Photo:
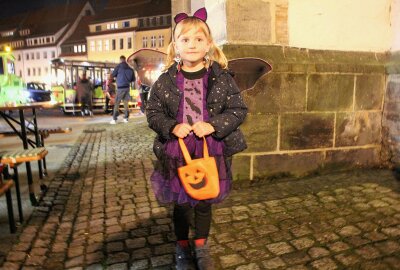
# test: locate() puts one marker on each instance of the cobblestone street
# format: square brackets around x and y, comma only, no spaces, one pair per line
[100,213]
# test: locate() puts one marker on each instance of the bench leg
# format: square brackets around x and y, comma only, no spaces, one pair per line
[10,212]
[44,159]
[19,201]
[32,196]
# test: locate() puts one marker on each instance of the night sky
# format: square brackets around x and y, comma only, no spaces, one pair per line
[13,7]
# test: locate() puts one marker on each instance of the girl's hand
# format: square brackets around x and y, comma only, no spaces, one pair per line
[202,129]
[182,130]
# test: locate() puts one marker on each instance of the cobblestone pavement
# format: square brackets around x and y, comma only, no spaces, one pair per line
[100,213]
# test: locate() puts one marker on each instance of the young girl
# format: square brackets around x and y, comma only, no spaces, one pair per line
[196,97]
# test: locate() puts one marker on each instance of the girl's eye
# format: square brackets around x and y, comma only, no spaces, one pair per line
[185,40]
[199,39]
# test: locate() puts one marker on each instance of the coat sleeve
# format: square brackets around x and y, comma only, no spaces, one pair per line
[157,118]
[115,71]
[234,113]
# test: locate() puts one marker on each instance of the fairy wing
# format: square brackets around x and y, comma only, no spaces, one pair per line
[247,71]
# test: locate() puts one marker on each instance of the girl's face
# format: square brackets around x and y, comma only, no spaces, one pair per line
[192,46]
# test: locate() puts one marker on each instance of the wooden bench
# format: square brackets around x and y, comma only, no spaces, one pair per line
[13,159]
[43,133]
[5,186]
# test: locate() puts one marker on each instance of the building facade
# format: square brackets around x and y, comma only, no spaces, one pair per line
[124,27]
[36,37]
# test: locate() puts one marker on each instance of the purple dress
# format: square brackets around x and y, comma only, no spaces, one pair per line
[192,108]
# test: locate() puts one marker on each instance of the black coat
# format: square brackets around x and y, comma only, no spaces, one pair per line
[225,107]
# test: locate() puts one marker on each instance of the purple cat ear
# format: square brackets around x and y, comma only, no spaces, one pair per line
[201,14]
[179,17]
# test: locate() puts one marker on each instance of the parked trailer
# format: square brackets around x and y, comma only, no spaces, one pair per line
[66,74]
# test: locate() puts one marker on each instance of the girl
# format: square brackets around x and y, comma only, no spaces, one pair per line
[196,97]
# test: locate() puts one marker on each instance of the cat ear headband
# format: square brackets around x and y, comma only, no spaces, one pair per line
[199,14]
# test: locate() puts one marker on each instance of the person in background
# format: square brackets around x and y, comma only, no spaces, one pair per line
[144,93]
[124,75]
[84,90]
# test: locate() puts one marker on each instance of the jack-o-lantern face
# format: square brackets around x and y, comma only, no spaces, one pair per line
[200,178]
[196,180]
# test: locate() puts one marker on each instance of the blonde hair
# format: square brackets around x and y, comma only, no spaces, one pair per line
[184,26]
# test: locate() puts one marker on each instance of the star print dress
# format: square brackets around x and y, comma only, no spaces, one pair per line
[192,108]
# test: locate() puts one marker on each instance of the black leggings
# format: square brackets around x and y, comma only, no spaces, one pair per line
[183,214]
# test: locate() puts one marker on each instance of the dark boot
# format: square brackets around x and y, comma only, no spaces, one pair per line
[184,258]
[203,258]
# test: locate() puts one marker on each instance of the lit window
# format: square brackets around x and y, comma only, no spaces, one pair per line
[161,40]
[99,46]
[83,48]
[153,41]
[107,45]
[116,25]
[144,42]
[75,49]
[108,26]
[92,46]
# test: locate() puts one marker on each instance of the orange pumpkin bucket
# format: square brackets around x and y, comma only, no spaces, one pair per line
[199,177]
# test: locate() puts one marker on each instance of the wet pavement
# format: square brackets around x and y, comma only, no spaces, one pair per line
[100,213]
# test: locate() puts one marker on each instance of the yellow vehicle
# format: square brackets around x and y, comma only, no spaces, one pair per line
[66,74]
[12,88]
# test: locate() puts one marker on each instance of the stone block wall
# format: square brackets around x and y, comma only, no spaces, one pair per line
[317,110]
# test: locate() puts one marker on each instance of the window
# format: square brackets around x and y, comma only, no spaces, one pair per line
[129,43]
[161,41]
[44,55]
[27,56]
[116,25]
[121,43]
[168,19]
[19,57]
[141,23]
[83,48]
[99,45]
[33,71]
[79,48]
[107,45]
[47,40]
[153,41]
[108,26]
[75,49]
[98,28]
[144,42]
[28,71]
[38,55]
[154,21]
[32,56]
[53,54]
[113,44]
[126,24]
[148,22]
[161,20]
[39,72]
[92,46]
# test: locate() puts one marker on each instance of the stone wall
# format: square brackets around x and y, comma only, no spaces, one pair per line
[317,110]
